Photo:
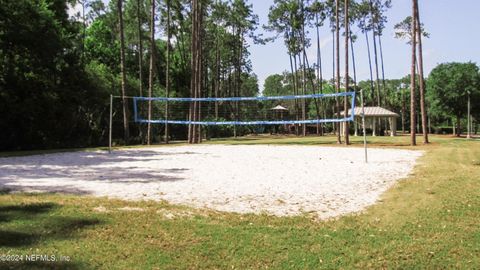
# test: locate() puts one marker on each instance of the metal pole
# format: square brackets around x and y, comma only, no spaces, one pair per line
[468,118]
[363,126]
[110,126]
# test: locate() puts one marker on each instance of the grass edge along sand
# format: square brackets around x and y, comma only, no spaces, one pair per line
[429,220]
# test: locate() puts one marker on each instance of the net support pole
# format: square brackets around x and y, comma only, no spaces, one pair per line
[363,127]
[110,126]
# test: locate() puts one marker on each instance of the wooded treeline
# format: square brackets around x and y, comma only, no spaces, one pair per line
[57,71]
[417,101]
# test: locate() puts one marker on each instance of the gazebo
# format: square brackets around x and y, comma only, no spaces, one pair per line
[280,110]
[372,116]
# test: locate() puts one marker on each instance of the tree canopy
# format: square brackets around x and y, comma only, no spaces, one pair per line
[449,86]
[57,71]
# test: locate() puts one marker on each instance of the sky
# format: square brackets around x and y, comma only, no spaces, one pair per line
[452,25]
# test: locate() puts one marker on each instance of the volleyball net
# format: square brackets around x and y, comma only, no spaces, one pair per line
[263,110]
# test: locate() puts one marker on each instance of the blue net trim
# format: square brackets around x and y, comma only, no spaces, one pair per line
[245,123]
[343,94]
[239,123]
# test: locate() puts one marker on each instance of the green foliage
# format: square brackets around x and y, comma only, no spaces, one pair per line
[55,79]
[449,86]
[403,30]
[273,86]
[47,99]
[286,18]
[102,45]
[249,85]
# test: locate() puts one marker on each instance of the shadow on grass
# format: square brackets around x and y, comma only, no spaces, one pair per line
[28,225]
[21,212]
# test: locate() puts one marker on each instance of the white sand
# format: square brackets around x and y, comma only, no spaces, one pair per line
[279,180]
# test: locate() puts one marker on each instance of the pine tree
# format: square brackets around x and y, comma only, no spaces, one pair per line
[126,133]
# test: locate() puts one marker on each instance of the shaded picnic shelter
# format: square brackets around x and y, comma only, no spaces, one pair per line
[373,116]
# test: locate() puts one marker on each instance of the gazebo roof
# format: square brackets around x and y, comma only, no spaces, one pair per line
[279,108]
[373,112]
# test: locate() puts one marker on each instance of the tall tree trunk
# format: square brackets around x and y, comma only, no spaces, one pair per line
[312,84]
[375,55]
[238,82]
[181,44]
[384,87]
[216,80]
[194,72]
[167,72]
[140,61]
[300,90]
[191,112]
[413,119]
[421,76]
[140,49]
[84,34]
[377,75]
[372,88]
[194,134]
[295,77]
[354,65]
[345,99]
[126,127]
[302,66]
[304,102]
[294,84]
[418,117]
[334,125]
[337,61]
[319,70]
[304,109]
[199,75]
[151,70]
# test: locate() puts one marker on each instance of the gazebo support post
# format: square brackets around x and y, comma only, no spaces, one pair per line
[374,122]
[393,127]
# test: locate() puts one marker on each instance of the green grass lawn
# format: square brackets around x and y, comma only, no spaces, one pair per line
[431,220]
